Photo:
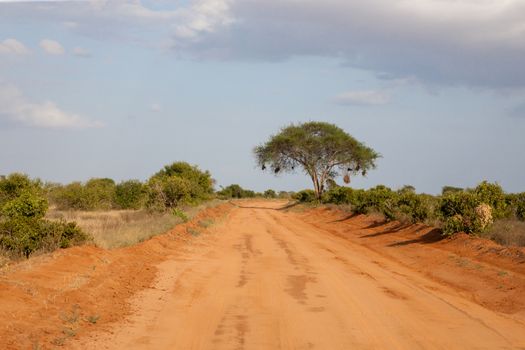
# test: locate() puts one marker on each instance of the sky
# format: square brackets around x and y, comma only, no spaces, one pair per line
[121,88]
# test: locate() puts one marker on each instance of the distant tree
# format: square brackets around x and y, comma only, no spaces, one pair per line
[176,184]
[235,191]
[130,194]
[450,189]
[407,189]
[322,150]
[270,194]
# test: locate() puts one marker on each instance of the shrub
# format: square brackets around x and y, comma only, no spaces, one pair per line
[22,236]
[23,229]
[201,181]
[269,194]
[464,211]
[95,194]
[100,194]
[340,195]
[69,197]
[493,195]
[235,191]
[176,184]
[380,199]
[305,196]
[450,189]
[15,184]
[520,206]
[284,195]
[26,205]
[414,207]
[180,214]
[130,194]
[168,192]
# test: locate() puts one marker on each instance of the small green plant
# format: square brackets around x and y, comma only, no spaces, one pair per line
[180,214]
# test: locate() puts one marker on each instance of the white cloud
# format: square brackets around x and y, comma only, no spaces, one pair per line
[16,108]
[203,17]
[362,97]
[467,42]
[155,107]
[52,47]
[477,43]
[13,46]
[81,52]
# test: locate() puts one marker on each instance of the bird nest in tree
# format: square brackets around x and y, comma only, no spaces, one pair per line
[346,179]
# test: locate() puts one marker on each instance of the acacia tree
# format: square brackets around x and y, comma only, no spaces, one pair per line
[322,150]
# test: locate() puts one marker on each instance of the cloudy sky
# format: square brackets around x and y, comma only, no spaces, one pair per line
[120,88]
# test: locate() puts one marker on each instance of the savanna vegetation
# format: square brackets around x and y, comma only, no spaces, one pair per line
[324,151]
[40,217]
[485,210]
[24,229]
[320,150]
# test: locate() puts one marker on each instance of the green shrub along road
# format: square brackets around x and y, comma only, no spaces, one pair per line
[457,210]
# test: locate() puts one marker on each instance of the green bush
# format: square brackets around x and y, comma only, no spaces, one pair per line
[22,236]
[95,194]
[100,194]
[235,191]
[201,182]
[180,214]
[379,199]
[450,189]
[130,194]
[458,212]
[23,229]
[168,192]
[493,195]
[269,194]
[69,197]
[305,196]
[340,195]
[519,206]
[27,205]
[414,207]
[15,184]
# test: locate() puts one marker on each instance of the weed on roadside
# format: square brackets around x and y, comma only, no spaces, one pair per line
[206,223]
[192,231]
[72,316]
[93,319]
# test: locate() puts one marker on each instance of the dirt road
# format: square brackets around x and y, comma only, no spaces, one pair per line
[268,279]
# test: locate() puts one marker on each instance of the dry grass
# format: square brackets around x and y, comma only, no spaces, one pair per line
[508,232]
[121,228]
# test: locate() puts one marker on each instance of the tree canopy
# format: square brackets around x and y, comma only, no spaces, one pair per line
[322,150]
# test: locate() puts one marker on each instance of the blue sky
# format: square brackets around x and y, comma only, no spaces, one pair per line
[120,88]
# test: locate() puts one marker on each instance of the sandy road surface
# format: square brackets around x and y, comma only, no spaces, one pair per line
[265,279]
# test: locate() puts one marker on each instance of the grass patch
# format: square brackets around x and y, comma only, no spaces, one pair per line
[507,232]
[122,228]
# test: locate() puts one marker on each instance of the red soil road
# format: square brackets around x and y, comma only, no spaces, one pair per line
[263,278]
[270,279]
